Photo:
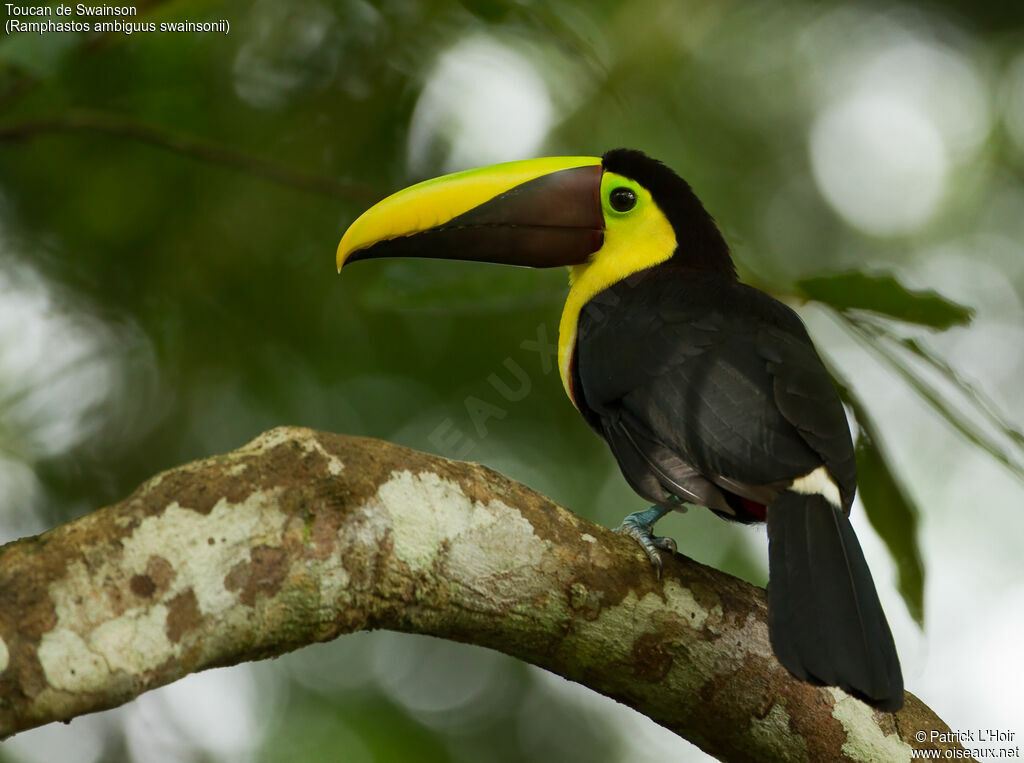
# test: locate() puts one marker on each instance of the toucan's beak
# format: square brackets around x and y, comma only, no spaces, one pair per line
[537,212]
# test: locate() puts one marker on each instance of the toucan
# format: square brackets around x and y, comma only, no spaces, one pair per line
[708,391]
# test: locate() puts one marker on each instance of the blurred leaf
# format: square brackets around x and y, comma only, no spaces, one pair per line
[878,340]
[491,11]
[320,728]
[984,405]
[39,54]
[885,295]
[889,508]
[893,515]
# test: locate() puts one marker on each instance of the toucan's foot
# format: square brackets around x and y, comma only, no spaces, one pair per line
[640,527]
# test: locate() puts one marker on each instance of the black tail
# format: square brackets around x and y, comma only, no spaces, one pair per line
[826,623]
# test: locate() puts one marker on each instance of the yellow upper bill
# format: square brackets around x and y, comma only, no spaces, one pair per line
[434,202]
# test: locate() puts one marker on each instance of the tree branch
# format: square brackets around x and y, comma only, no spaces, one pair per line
[301,536]
[205,151]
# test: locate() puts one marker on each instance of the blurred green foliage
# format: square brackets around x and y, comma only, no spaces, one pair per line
[884,295]
[180,197]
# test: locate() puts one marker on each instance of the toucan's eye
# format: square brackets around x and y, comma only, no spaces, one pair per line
[622,199]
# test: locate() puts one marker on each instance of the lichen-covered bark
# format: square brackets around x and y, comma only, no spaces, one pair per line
[301,536]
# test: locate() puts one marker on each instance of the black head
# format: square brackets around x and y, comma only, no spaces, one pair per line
[699,242]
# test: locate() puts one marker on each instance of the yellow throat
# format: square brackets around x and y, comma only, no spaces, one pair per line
[633,241]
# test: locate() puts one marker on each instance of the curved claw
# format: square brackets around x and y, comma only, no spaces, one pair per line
[639,526]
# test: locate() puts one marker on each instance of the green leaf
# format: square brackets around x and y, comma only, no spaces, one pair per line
[894,517]
[884,295]
[889,508]
[968,421]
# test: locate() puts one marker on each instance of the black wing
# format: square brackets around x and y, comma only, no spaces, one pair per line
[708,389]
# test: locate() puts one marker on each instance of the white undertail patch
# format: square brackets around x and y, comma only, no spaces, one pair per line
[818,482]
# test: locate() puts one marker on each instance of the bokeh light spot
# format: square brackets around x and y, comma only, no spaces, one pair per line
[880,162]
[483,103]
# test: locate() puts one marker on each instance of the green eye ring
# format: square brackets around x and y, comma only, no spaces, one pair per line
[622,199]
